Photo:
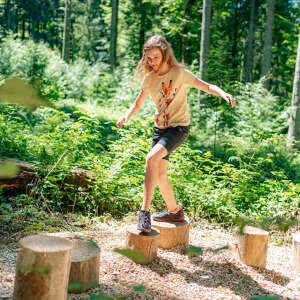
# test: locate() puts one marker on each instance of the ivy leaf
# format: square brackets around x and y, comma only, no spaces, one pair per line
[139,288]
[133,255]
[271,297]
[101,296]
[193,251]
[17,91]
[8,170]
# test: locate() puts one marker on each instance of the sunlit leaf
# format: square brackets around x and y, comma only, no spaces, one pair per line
[133,255]
[81,286]
[270,297]
[17,91]
[30,269]
[139,288]
[101,296]
[8,170]
[193,251]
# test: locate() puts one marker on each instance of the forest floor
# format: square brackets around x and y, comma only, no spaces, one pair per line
[173,275]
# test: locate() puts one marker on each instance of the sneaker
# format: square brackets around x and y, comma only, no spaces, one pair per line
[165,215]
[144,221]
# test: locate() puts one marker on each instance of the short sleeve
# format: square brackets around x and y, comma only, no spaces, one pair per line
[188,77]
[146,83]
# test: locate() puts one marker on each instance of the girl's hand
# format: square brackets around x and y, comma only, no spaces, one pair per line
[121,121]
[229,99]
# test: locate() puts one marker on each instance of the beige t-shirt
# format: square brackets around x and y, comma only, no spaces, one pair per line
[168,92]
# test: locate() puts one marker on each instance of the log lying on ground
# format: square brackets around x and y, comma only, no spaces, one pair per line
[296,251]
[85,263]
[251,246]
[172,234]
[27,175]
[18,183]
[43,268]
[143,242]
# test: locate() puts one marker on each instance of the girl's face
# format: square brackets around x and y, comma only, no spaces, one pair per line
[154,58]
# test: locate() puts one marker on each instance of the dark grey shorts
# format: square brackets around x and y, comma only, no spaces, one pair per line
[171,138]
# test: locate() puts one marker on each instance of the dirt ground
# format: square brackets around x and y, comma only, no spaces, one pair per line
[174,275]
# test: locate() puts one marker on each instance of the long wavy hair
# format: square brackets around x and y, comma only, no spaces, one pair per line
[157,41]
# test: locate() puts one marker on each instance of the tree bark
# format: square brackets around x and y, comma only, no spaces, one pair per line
[142,242]
[249,55]
[296,252]
[114,33]
[43,268]
[66,49]
[266,63]
[184,49]
[172,234]
[294,122]
[252,246]
[205,38]
[85,262]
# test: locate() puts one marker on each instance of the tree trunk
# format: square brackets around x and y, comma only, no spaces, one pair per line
[235,38]
[266,63]
[7,14]
[294,122]
[67,32]
[184,49]
[114,33]
[249,55]
[205,37]
[142,27]
[43,268]
[172,234]
[296,251]
[252,246]
[143,242]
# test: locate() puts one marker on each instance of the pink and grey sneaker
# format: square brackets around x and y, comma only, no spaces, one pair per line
[165,216]
[144,223]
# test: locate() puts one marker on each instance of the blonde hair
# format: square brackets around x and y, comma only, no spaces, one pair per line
[157,41]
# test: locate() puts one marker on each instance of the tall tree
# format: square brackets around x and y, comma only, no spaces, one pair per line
[266,63]
[205,38]
[66,50]
[294,122]
[249,54]
[114,32]
[184,47]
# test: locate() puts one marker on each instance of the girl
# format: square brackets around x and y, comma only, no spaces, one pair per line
[166,80]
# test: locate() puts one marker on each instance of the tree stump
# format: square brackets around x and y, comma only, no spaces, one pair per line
[85,262]
[296,251]
[43,268]
[145,243]
[172,234]
[252,246]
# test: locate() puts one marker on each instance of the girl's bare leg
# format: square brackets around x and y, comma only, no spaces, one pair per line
[165,186]
[153,160]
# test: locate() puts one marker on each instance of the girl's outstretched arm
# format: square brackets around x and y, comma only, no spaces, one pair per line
[213,89]
[137,104]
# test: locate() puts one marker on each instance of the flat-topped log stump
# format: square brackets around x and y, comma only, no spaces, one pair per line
[144,242]
[296,251]
[43,268]
[252,246]
[85,262]
[172,234]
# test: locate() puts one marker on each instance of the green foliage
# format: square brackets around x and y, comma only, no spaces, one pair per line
[135,256]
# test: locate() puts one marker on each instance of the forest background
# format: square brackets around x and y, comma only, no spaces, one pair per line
[81,54]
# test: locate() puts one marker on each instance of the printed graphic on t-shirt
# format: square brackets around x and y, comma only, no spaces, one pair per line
[167,96]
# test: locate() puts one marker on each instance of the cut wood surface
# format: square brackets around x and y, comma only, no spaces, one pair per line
[296,251]
[143,242]
[172,234]
[252,246]
[174,275]
[85,263]
[43,268]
